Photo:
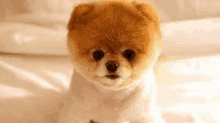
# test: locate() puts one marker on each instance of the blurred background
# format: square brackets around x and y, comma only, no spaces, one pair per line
[170,10]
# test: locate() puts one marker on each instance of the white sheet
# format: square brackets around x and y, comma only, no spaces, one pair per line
[191,85]
[32,86]
[32,83]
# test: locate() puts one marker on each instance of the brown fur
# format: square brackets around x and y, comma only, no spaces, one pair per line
[112,26]
[99,92]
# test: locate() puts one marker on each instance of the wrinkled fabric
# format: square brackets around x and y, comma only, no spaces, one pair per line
[35,67]
[32,87]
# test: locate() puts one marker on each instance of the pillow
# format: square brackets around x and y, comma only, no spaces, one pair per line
[191,38]
[199,69]
[46,34]
[33,34]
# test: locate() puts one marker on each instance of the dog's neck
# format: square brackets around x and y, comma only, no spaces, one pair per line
[83,87]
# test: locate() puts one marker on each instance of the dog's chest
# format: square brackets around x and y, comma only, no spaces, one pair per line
[85,104]
[106,108]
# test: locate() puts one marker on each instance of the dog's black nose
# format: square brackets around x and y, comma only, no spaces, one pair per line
[112,66]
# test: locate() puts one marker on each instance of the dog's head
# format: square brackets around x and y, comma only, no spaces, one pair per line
[113,43]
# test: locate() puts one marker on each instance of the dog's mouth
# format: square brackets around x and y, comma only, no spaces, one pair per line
[113,76]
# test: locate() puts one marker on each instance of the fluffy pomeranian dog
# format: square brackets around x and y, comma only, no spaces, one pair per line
[114,46]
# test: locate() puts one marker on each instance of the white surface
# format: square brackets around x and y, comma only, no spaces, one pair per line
[191,85]
[191,38]
[32,85]
[33,34]
[180,39]
[169,10]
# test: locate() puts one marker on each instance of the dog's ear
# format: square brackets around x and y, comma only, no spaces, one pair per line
[148,11]
[152,16]
[80,15]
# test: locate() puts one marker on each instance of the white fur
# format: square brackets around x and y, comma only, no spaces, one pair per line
[121,71]
[87,101]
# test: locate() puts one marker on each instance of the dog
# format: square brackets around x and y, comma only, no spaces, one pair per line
[114,46]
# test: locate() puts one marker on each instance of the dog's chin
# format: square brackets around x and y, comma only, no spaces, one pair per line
[114,82]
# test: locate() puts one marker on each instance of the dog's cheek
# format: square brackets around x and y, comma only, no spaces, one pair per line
[84,64]
[141,65]
[125,68]
[100,68]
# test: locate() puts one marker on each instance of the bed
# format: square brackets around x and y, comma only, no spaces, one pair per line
[35,67]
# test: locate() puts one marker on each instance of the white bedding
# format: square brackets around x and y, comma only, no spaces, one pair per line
[31,86]
[35,69]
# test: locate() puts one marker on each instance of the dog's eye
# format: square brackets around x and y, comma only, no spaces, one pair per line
[129,54]
[98,55]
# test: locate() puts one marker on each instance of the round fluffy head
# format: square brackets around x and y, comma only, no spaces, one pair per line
[113,43]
